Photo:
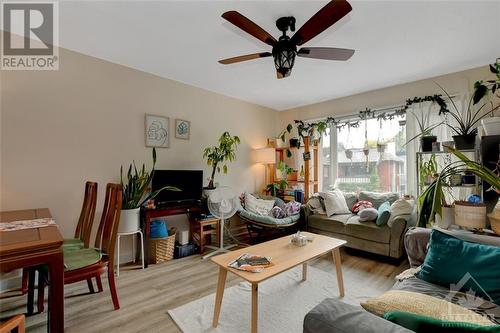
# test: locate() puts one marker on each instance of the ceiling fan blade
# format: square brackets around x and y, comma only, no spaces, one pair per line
[327,53]
[322,20]
[244,58]
[248,26]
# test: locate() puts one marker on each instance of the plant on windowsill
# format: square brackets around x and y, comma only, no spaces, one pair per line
[135,194]
[425,128]
[222,154]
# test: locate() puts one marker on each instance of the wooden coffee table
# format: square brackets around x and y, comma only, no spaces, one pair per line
[284,256]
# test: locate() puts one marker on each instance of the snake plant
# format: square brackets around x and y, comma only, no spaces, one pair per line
[137,184]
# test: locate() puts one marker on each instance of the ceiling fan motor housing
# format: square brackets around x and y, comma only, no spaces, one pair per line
[284,52]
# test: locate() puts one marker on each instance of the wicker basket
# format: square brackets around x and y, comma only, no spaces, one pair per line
[162,249]
[470,216]
[495,221]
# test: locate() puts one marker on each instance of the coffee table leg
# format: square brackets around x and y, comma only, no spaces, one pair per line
[255,294]
[304,271]
[338,267]
[218,296]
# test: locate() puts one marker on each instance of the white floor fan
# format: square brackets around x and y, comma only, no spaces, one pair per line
[222,203]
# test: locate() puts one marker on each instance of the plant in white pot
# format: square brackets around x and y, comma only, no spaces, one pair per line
[217,155]
[135,194]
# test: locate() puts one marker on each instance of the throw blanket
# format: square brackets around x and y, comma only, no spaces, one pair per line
[288,209]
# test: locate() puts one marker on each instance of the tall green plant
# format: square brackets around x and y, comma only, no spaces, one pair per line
[137,183]
[221,154]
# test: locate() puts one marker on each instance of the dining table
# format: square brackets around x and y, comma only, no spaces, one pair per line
[30,238]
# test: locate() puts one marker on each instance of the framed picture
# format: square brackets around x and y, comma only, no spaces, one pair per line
[156,131]
[182,129]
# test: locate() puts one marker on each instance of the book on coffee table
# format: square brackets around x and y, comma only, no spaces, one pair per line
[251,263]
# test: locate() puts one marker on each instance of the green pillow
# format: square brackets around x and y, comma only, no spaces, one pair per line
[468,266]
[384,213]
[423,324]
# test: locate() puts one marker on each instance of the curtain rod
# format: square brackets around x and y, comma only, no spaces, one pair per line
[378,110]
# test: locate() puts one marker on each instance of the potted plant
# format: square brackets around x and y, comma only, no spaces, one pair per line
[425,129]
[272,189]
[466,128]
[428,170]
[482,88]
[221,154]
[135,194]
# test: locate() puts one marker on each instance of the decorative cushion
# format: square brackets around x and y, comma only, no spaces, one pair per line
[384,213]
[378,198]
[368,214]
[316,204]
[423,324]
[466,265]
[335,202]
[81,258]
[350,198]
[401,207]
[424,305]
[258,206]
[360,205]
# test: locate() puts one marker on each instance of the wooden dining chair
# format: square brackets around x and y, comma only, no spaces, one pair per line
[81,240]
[16,323]
[87,263]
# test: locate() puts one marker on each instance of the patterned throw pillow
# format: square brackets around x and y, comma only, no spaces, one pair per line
[360,205]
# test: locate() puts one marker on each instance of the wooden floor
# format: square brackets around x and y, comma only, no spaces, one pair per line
[146,295]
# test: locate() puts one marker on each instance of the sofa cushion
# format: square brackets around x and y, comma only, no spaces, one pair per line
[368,230]
[258,206]
[401,207]
[350,198]
[378,198]
[368,214]
[335,202]
[384,213]
[316,204]
[335,223]
[452,261]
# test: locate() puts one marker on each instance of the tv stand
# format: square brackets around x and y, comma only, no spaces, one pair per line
[191,209]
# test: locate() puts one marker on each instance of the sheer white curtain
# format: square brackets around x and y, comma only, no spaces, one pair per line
[443,132]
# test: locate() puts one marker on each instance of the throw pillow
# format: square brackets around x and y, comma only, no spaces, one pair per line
[335,203]
[377,198]
[423,324]
[401,207]
[424,305]
[466,265]
[316,204]
[350,198]
[258,206]
[384,213]
[368,214]
[360,205]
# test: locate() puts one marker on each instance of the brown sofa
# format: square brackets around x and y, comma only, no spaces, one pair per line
[385,240]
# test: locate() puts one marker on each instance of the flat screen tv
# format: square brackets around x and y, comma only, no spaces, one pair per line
[190,182]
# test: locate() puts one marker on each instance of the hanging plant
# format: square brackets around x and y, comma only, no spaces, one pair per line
[443,106]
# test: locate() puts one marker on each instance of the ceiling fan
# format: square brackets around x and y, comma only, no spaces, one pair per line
[284,49]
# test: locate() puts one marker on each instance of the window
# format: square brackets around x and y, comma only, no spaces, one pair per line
[375,162]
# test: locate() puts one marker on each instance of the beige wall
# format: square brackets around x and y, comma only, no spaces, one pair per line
[453,83]
[61,128]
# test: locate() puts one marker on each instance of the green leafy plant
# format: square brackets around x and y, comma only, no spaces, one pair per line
[221,154]
[468,119]
[137,183]
[423,122]
[428,169]
[432,200]
[272,189]
[482,88]
[284,169]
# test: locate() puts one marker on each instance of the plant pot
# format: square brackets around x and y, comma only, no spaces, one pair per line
[428,180]
[470,216]
[294,143]
[456,180]
[292,176]
[426,142]
[447,219]
[129,220]
[465,141]
[207,191]
[280,143]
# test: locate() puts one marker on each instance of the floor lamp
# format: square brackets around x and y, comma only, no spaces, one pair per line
[266,156]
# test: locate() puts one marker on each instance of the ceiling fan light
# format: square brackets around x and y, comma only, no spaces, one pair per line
[284,61]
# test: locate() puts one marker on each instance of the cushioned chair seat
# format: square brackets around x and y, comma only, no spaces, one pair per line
[368,230]
[80,258]
[71,244]
[334,223]
[269,219]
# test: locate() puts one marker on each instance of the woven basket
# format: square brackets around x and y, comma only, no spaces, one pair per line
[162,249]
[495,221]
[470,216]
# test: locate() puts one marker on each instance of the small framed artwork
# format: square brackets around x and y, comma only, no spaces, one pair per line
[182,129]
[156,131]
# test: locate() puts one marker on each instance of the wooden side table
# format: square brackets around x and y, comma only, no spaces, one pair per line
[202,230]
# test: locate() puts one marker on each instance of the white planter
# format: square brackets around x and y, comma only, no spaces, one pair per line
[207,191]
[448,218]
[129,220]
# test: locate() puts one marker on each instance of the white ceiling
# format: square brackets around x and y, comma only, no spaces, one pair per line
[395,42]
